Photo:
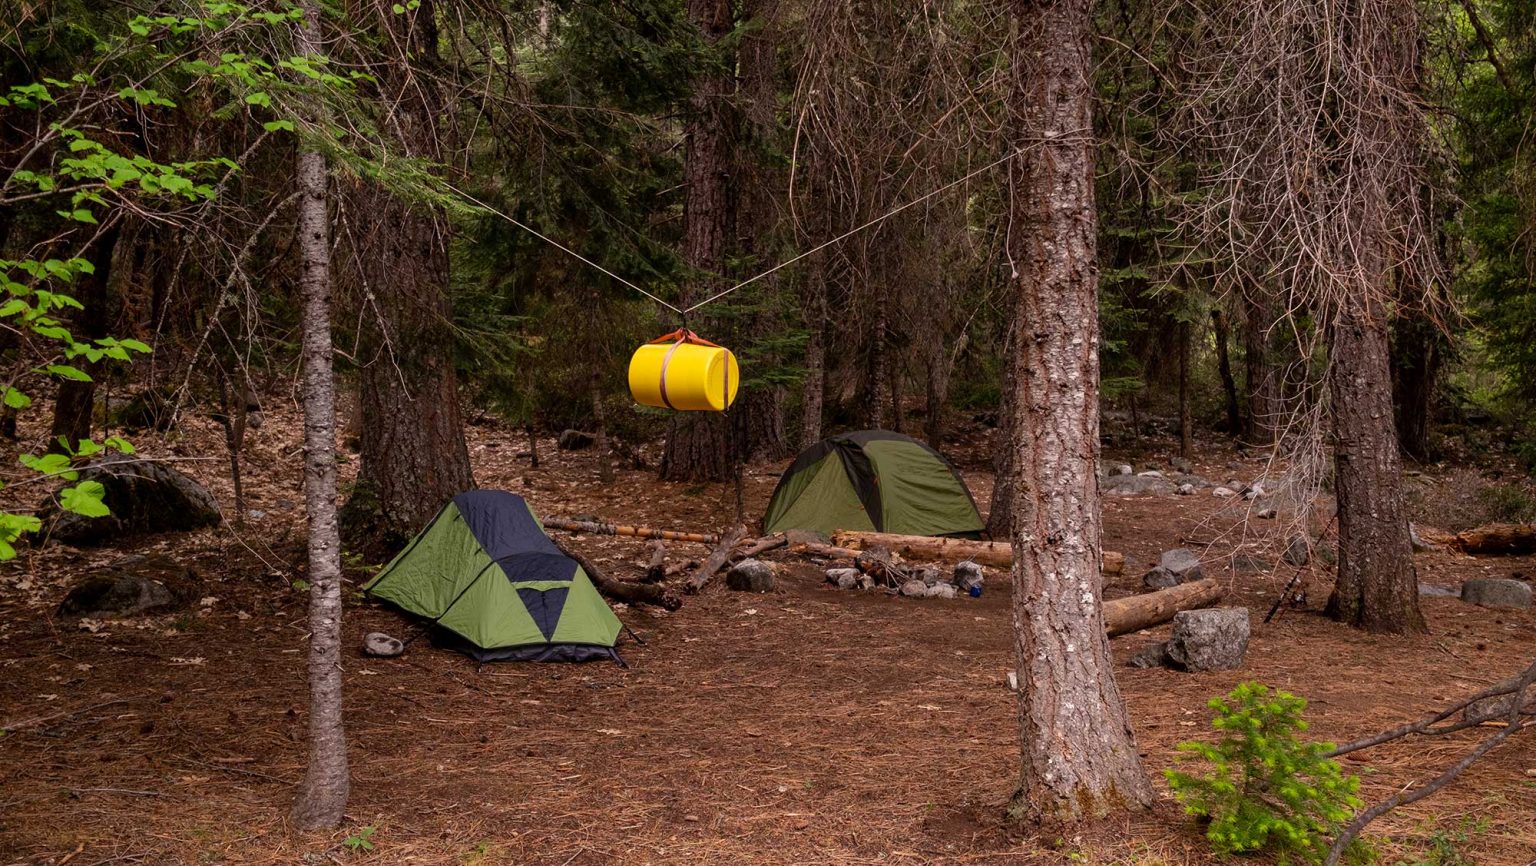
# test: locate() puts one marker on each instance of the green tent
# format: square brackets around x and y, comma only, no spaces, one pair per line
[873,480]
[496,588]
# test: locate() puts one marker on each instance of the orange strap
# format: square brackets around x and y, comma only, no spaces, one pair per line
[678,338]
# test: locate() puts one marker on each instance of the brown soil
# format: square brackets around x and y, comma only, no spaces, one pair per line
[804,726]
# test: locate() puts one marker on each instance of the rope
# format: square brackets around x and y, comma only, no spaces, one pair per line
[553,242]
[853,231]
[684,311]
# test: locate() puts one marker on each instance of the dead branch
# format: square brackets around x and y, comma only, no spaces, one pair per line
[618,590]
[656,569]
[717,558]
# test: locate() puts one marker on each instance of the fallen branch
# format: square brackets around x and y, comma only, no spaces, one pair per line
[14,727]
[1125,615]
[717,558]
[567,525]
[618,590]
[1517,688]
[762,545]
[997,554]
[656,569]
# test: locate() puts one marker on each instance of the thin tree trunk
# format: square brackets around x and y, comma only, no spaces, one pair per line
[814,390]
[1186,421]
[1377,589]
[1000,512]
[322,795]
[1079,754]
[1263,379]
[937,392]
[414,457]
[600,417]
[1224,366]
[877,407]
[74,406]
[1415,370]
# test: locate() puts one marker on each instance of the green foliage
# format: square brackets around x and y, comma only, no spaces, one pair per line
[1445,845]
[361,841]
[1266,789]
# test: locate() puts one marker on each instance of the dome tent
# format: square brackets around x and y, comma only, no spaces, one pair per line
[496,588]
[872,480]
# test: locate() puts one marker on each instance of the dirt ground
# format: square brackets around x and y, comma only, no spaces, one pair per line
[804,726]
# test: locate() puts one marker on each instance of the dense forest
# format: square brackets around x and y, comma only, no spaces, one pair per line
[333,263]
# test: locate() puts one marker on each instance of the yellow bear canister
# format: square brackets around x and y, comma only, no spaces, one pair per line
[684,371]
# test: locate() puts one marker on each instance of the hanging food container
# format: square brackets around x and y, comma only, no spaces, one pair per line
[685,372]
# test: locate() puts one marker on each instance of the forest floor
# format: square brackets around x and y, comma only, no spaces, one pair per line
[804,726]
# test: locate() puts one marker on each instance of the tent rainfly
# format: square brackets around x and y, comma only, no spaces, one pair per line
[496,588]
[873,480]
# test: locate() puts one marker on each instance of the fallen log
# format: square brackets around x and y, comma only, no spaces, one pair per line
[656,569]
[717,558]
[1498,539]
[618,590]
[762,545]
[568,525]
[998,554]
[1125,615]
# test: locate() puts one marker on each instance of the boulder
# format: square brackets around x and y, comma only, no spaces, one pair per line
[1223,493]
[574,440]
[1497,592]
[968,574]
[914,589]
[1186,489]
[941,590]
[377,643]
[1150,656]
[1150,473]
[1135,485]
[135,586]
[930,576]
[844,578]
[750,575]
[1297,551]
[1124,469]
[1160,578]
[144,496]
[1213,639]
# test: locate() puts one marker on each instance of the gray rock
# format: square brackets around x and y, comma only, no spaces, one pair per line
[1195,481]
[1124,469]
[1135,485]
[941,590]
[1179,464]
[1256,490]
[1298,551]
[574,440]
[929,576]
[1183,562]
[1497,592]
[377,643]
[866,581]
[117,595]
[1429,590]
[750,575]
[1160,578]
[1150,473]
[914,589]
[1251,564]
[1150,656]
[844,578]
[969,574]
[1267,514]
[1186,489]
[1213,639]
[1224,493]
[1419,544]
[144,497]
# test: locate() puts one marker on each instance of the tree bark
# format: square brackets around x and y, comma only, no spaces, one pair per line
[1262,379]
[413,454]
[1224,367]
[74,406]
[1415,370]
[604,459]
[1079,754]
[698,444]
[717,558]
[1186,420]
[1378,588]
[322,795]
[1136,612]
[1000,512]
[813,393]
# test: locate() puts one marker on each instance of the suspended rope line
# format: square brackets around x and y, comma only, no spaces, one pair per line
[684,311]
[853,231]
[555,243]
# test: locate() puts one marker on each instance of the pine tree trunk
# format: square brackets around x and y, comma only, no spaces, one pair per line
[1415,370]
[938,392]
[813,392]
[414,458]
[1186,419]
[1377,589]
[600,447]
[698,444]
[1000,512]
[322,795]
[1079,754]
[1263,380]
[1224,366]
[74,406]
[877,399]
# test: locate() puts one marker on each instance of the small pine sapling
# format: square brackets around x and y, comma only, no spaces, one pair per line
[1266,789]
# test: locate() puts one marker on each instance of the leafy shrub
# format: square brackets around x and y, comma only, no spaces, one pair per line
[1266,789]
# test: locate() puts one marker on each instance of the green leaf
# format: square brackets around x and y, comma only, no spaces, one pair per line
[278,126]
[64,371]
[258,98]
[122,445]
[16,400]
[84,499]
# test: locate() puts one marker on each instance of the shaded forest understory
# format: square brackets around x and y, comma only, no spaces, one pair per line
[805,726]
